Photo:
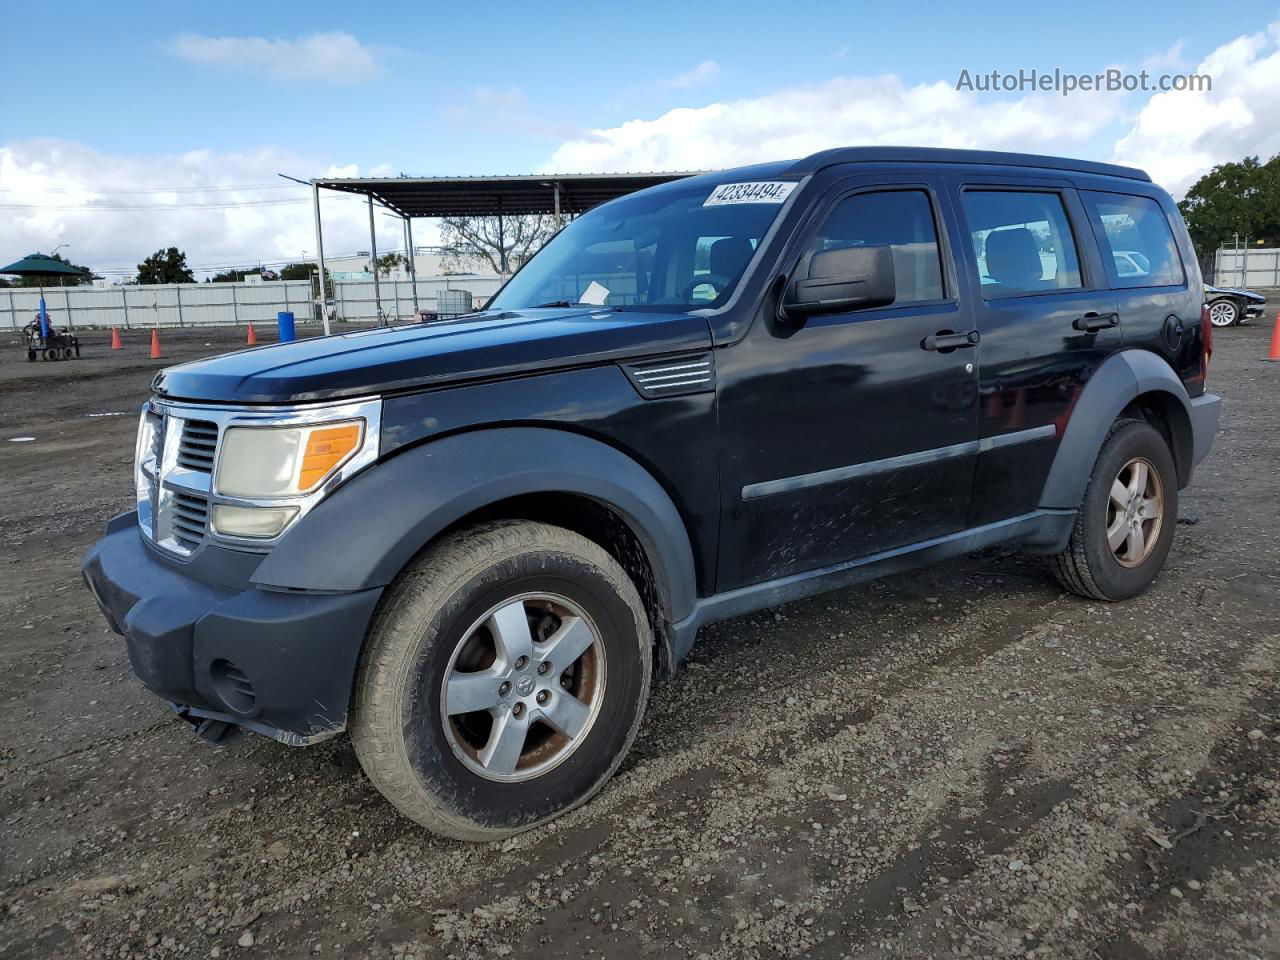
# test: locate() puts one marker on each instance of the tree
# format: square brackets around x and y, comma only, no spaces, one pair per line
[231,276]
[392,261]
[476,241]
[165,266]
[1234,198]
[297,271]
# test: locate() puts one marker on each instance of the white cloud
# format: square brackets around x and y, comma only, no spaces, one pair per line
[1179,136]
[55,191]
[695,77]
[1170,59]
[841,111]
[1176,136]
[336,57]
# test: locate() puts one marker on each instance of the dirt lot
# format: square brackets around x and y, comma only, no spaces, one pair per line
[964,762]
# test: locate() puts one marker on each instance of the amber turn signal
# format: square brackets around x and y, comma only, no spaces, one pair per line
[326,448]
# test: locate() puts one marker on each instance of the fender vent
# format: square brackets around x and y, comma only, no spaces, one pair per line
[672,376]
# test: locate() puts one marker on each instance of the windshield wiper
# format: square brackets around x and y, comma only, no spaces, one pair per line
[555,303]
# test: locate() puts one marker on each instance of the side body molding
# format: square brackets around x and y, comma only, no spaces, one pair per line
[364,534]
[1120,378]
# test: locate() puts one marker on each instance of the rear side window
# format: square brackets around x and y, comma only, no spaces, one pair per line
[1137,241]
[1022,242]
[903,219]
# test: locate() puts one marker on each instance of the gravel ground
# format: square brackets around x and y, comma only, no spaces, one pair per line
[961,762]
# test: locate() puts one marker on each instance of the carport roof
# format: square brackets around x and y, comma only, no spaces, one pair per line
[489,196]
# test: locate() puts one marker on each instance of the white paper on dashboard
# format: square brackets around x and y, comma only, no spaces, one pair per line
[595,294]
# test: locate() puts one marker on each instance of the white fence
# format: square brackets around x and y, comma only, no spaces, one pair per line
[356,300]
[1247,267]
[161,304]
[212,304]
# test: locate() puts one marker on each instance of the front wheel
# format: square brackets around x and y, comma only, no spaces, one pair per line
[503,680]
[1223,313]
[1125,526]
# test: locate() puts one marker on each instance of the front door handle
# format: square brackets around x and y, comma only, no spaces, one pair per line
[947,340]
[1093,322]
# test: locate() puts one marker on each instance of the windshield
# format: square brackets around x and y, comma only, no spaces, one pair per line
[673,248]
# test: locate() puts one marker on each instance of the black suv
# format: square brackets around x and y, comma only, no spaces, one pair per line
[473,543]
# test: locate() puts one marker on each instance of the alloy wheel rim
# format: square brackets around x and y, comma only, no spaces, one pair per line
[1222,314]
[523,687]
[1135,512]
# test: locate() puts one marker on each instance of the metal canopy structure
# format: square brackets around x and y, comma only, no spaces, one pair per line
[410,197]
[498,196]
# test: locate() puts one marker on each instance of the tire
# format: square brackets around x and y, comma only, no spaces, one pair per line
[1223,313]
[441,622]
[1090,566]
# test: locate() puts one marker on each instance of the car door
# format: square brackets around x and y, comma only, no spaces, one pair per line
[1158,297]
[850,433]
[1047,319]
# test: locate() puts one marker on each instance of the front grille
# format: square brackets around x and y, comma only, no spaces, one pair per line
[190,518]
[198,443]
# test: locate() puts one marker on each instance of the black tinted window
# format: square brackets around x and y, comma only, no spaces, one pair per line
[1137,240]
[902,219]
[1022,242]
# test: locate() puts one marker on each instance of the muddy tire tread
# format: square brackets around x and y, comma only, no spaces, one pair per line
[407,608]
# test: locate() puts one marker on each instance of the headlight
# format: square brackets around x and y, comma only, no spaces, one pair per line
[282,461]
[257,522]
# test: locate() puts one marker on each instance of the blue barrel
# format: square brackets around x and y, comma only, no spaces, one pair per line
[285,320]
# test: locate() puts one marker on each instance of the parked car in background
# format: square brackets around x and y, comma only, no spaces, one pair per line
[1227,307]
[1131,263]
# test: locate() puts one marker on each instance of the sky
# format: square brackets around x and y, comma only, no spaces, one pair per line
[135,126]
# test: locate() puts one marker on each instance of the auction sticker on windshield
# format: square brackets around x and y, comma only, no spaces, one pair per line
[758,191]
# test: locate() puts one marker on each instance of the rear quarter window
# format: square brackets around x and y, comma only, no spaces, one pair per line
[1137,244]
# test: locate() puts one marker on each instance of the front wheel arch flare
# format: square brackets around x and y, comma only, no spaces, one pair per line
[365,533]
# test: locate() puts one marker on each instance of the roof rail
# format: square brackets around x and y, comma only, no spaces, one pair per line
[826,158]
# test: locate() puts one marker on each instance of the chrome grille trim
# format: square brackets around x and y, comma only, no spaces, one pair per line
[176,460]
[198,445]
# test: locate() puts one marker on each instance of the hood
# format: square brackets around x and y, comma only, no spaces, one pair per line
[387,359]
[1236,292]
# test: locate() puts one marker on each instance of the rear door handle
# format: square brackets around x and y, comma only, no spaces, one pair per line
[1092,322]
[947,340]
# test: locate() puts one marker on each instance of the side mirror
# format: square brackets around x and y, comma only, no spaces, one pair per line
[835,281]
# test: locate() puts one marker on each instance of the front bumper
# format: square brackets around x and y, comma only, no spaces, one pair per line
[278,662]
[1206,410]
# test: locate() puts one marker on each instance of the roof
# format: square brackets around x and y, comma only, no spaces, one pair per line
[489,196]
[827,158]
[579,192]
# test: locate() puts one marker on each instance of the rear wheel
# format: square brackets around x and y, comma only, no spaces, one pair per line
[1223,313]
[503,680]
[1125,526]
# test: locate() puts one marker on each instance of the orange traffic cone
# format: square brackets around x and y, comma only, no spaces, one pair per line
[1275,341]
[252,339]
[155,343]
[115,339]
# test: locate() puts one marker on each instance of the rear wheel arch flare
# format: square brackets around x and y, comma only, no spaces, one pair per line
[1118,383]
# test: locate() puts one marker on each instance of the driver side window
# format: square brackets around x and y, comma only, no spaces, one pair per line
[902,219]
